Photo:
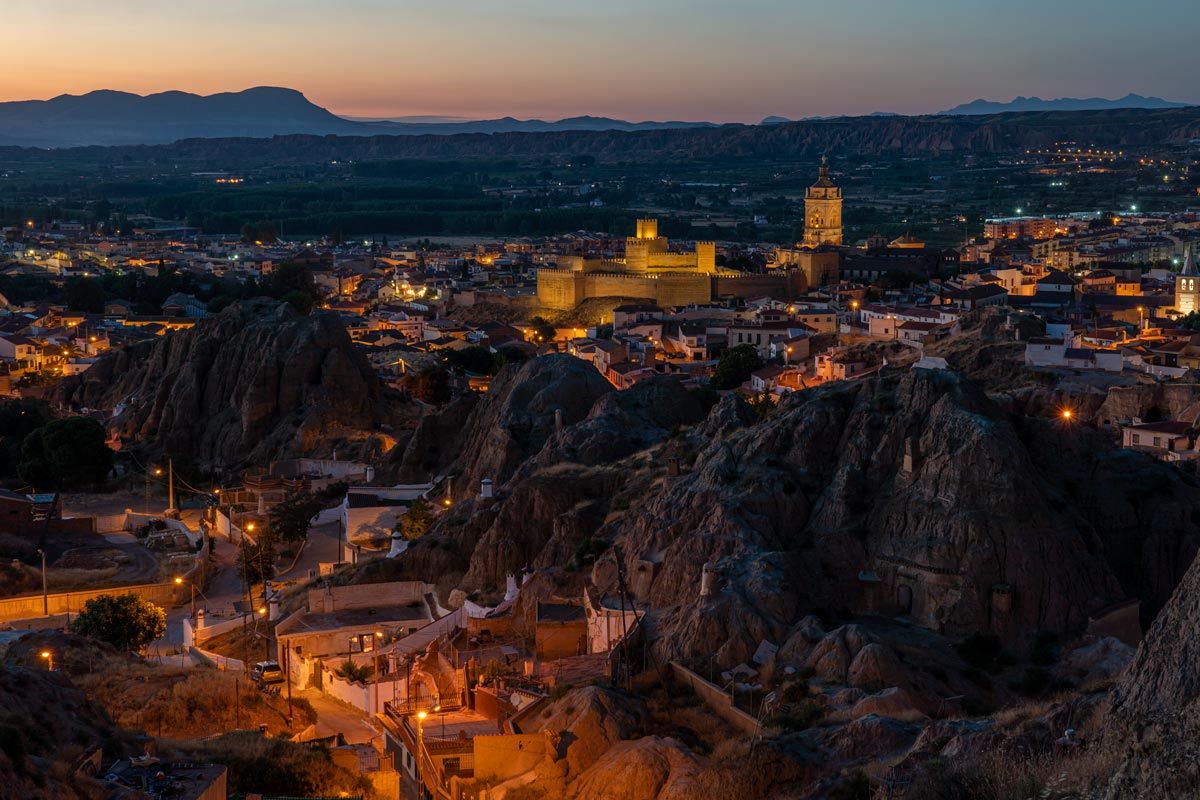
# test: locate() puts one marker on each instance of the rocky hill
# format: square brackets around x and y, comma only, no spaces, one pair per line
[1154,711]
[256,382]
[916,490]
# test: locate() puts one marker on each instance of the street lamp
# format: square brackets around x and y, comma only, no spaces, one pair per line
[46,654]
[1066,414]
[421,715]
[179,582]
[262,612]
[1141,322]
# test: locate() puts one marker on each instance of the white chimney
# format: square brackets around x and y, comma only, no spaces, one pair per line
[510,588]
[485,488]
[708,580]
[398,545]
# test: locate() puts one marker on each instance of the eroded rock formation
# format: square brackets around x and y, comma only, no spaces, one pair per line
[253,383]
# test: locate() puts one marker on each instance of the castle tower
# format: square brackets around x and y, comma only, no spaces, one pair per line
[640,249]
[1187,292]
[823,211]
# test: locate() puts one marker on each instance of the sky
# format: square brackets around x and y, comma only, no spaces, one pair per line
[738,60]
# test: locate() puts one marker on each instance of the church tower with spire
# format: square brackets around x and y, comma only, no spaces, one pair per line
[1187,285]
[823,211]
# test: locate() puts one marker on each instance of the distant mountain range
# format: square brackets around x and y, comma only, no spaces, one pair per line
[119,118]
[781,120]
[111,118]
[1061,104]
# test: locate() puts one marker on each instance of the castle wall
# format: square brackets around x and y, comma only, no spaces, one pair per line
[683,289]
[562,289]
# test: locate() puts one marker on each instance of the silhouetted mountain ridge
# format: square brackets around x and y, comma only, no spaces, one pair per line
[1131,100]
[106,117]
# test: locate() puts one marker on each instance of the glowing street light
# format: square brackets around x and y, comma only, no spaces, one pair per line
[46,654]
[179,582]
[1066,414]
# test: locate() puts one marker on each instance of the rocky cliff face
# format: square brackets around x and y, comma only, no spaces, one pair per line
[1154,710]
[253,383]
[912,495]
[519,416]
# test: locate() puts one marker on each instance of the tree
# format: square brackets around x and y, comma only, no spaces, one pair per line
[84,294]
[543,331]
[69,453]
[125,621]
[413,523]
[1190,321]
[735,366]
[294,284]
[257,561]
[476,358]
[261,231]
[290,518]
[18,419]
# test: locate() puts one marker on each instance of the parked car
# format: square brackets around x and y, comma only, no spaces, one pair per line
[266,672]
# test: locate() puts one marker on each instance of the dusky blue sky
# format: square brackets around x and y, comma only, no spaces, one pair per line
[655,59]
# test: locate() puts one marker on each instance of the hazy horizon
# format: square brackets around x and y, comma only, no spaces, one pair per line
[676,60]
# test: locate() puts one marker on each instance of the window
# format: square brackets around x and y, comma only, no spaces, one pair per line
[1158,441]
[1137,439]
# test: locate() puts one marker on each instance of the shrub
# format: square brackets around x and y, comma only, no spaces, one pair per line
[803,718]
[355,673]
[125,621]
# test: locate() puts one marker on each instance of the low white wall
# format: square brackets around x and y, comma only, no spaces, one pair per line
[351,693]
[218,661]
[210,631]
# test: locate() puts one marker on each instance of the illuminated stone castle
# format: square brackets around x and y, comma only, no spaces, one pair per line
[648,252]
[650,270]
[823,211]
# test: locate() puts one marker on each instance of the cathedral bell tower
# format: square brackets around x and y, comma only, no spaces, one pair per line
[1187,285]
[823,211]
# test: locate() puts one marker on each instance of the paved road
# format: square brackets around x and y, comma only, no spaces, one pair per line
[334,716]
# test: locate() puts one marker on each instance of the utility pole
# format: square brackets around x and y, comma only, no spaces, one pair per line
[624,624]
[45,594]
[287,676]
[171,484]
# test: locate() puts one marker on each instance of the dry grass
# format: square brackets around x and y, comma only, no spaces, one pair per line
[245,644]
[183,702]
[1058,776]
[1012,717]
